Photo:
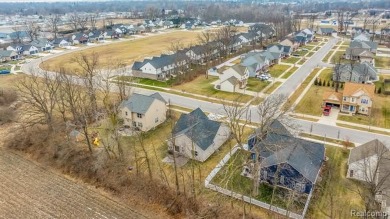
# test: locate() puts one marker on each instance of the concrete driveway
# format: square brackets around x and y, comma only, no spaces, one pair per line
[332,118]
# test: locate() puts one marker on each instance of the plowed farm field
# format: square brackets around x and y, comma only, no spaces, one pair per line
[28,190]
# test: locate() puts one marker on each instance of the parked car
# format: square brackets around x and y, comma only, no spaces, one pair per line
[326,110]
[264,77]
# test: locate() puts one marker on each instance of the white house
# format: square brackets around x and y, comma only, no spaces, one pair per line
[61,43]
[233,78]
[197,137]
[370,162]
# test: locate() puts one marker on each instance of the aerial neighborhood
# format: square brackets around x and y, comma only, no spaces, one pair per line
[195,109]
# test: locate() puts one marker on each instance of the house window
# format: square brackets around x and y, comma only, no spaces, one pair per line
[300,187]
[134,124]
[156,120]
[140,124]
[194,153]
[282,179]
[350,173]
[177,148]
[352,99]
[139,115]
[265,174]
[126,113]
[345,98]
[364,101]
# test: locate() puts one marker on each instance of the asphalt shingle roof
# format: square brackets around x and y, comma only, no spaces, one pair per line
[198,128]
[279,146]
[139,103]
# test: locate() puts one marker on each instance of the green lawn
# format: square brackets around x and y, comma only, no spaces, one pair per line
[255,84]
[382,62]
[289,73]
[229,177]
[291,60]
[331,193]
[302,61]
[325,59]
[338,56]
[5,67]
[304,84]
[151,82]
[277,70]
[301,52]
[309,47]
[273,87]
[310,54]
[202,86]
[311,103]
[326,74]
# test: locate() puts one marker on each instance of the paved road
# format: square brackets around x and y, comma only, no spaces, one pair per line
[292,83]
[356,136]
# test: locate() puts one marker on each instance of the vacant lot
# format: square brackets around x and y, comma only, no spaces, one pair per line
[126,52]
[30,191]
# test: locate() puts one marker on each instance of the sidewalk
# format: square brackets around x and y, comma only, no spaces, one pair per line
[345,123]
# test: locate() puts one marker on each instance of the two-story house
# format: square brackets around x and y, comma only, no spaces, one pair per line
[142,112]
[356,98]
[160,68]
[233,78]
[255,63]
[285,51]
[358,72]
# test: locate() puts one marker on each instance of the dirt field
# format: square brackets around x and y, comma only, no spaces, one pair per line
[30,191]
[128,51]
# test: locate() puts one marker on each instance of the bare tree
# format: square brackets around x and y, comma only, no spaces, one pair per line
[375,174]
[74,21]
[226,37]
[238,117]
[82,21]
[90,66]
[152,12]
[17,34]
[206,39]
[297,22]
[53,22]
[93,20]
[39,95]
[32,29]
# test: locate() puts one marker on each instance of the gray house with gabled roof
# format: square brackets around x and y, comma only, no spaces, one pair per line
[285,160]
[161,67]
[143,112]
[358,73]
[197,137]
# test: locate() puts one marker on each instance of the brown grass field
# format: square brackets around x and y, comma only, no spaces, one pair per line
[127,51]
